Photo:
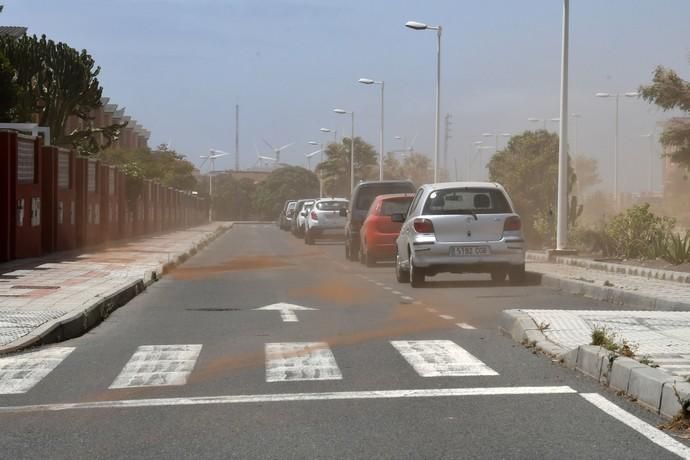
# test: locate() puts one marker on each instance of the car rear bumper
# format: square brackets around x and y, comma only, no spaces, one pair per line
[503,253]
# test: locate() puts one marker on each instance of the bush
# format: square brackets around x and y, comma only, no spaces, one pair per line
[638,233]
[677,250]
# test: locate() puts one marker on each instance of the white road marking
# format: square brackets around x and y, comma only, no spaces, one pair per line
[287,310]
[465,326]
[19,373]
[417,302]
[440,358]
[388,288]
[288,397]
[396,292]
[290,361]
[158,365]
[648,431]
[446,317]
[431,310]
[379,284]
[407,297]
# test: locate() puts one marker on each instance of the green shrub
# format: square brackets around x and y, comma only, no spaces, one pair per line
[638,233]
[677,249]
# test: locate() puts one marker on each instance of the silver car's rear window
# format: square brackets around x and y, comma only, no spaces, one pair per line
[467,201]
[331,205]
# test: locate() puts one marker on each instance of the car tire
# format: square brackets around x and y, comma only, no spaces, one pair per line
[308,238]
[402,276]
[352,252]
[499,276]
[362,257]
[417,275]
[517,275]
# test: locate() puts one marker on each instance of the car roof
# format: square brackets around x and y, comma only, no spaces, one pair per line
[379,182]
[447,185]
[333,199]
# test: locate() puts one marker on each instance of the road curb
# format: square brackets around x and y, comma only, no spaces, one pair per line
[609,294]
[653,388]
[620,269]
[77,322]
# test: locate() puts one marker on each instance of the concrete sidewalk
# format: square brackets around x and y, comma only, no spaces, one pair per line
[62,296]
[615,283]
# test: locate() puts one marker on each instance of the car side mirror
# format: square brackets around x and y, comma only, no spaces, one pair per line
[398,217]
[342,213]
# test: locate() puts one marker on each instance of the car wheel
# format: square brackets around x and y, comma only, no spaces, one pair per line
[308,238]
[499,276]
[362,257]
[402,276]
[353,252]
[417,275]
[517,274]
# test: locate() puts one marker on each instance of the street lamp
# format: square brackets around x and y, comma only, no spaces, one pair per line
[352,147]
[437,140]
[496,135]
[562,198]
[320,172]
[538,120]
[368,81]
[329,130]
[615,137]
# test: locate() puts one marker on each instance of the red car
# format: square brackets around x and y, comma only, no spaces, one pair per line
[378,232]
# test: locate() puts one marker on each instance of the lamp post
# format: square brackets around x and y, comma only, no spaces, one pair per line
[562,200]
[329,130]
[616,96]
[421,26]
[320,172]
[352,147]
[368,81]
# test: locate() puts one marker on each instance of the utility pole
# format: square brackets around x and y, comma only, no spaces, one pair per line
[447,136]
[237,137]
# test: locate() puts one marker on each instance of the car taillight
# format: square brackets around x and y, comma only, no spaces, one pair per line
[512,224]
[314,216]
[423,226]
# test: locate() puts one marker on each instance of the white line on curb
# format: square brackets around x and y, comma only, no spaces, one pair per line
[446,317]
[656,436]
[287,397]
[396,292]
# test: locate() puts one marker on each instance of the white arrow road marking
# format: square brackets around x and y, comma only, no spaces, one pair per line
[288,397]
[648,431]
[158,365]
[440,358]
[287,310]
[18,374]
[290,361]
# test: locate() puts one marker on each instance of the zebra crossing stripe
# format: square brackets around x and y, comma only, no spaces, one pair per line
[158,365]
[18,374]
[293,361]
[440,358]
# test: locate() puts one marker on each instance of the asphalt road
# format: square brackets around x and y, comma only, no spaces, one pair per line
[376,370]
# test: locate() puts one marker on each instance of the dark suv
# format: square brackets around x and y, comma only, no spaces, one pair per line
[362,197]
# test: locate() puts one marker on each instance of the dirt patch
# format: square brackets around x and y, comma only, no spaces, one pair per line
[332,290]
[235,264]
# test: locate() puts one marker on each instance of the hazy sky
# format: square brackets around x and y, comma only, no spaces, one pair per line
[179,66]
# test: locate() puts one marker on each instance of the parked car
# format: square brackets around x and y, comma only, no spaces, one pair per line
[460,227]
[378,232]
[289,214]
[327,216]
[295,226]
[360,202]
[302,217]
[283,219]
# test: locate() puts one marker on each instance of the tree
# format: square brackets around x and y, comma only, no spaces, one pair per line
[288,182]
[586,169]
[161,165]
[415,167]
[335,169]
[528,169]
[669,91]
[55,82]
[233,199]
[8,89]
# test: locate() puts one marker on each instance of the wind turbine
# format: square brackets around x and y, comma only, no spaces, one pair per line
[277,150]
[309,157]
[406,149]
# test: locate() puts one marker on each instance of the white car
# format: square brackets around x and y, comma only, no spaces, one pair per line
[460,227]
[327,215]
[302,217]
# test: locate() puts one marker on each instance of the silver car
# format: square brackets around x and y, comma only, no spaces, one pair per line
[327,215]
[460,227]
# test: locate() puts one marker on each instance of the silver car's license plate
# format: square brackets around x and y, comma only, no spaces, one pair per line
[470,251]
